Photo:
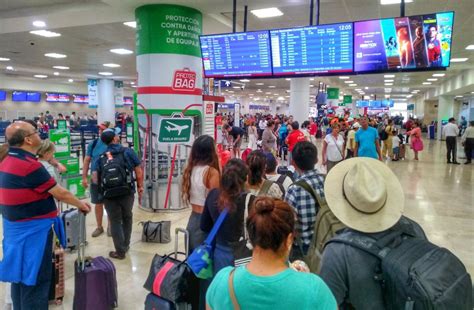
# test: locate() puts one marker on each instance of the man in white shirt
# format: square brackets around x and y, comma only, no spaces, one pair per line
[451,131]
[467,141]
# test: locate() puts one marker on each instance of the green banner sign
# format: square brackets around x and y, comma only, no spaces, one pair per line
[333,93]
[74,185]
[62,141]
[168,29]
[130,132]
[62,124]
[175,130]
[71,164]
[347,99]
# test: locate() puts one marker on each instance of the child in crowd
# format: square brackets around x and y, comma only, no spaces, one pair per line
[395,145]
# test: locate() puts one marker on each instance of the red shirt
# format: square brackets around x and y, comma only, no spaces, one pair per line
[294,137]
[313,129]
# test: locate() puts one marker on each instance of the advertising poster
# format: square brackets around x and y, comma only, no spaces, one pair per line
[62,141]
[118,94]
[415,42]
[92,89]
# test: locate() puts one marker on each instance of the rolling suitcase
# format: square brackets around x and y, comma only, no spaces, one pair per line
[70,219]
[95,279]
[56,292]
[401,151]
[188,289]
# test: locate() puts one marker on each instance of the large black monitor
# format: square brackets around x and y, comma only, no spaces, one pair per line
[325,49]
[245,54]
[403,43]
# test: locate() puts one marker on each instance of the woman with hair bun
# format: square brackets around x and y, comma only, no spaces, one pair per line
[268,282]
[256,182]
[232,196]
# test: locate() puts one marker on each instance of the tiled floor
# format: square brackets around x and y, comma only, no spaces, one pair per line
[437,195]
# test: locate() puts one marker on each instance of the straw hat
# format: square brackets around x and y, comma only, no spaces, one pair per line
[364,194]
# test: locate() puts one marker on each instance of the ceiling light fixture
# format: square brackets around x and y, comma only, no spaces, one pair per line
[388,76]
[105,73]
[439,74]
[352,85]
[61,67]
[388,84]
[56,73]
[39,23]
[131,24]
[459,59]
[271,86]
[426,83]
[266,13]
[388,2]
[244,81]
[288,79]
[4,59]
[45,33]
[40,76]
[111,65]
[10,68]
[388,81]
[470,47]
[366,87]
[55,55]
[459,96]
[70,80]
[259,84]
[432,80]
[121,51]
[343,77]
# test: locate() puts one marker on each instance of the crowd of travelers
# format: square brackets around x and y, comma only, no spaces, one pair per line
[311,240]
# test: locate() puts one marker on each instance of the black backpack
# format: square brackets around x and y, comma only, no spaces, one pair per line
[383,135]
[115,178]
[280,181]
[414,273]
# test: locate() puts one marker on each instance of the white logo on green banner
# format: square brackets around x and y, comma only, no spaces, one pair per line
[175,130]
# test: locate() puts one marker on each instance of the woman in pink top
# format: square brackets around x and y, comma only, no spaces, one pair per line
[415,139]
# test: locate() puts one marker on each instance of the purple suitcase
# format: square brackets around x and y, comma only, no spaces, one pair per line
[95,280]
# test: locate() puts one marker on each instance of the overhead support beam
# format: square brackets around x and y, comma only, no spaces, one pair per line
[246,8]
[311,12]
[234,15]
[318,5]
[402,8]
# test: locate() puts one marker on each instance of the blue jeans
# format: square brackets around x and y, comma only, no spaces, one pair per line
[36,297]
[223,257]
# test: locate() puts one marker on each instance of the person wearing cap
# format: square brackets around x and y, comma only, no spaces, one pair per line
[94,149]
[370,202]
[351,144]
[119,209]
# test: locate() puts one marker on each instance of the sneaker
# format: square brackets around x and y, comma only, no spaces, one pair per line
[456,163]
[97,232]
[467,162]
[116,255]
[109,232]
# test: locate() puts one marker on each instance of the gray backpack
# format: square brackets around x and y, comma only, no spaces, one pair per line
[414,273]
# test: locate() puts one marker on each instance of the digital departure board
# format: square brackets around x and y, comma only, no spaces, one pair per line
[322,49]
[245,54]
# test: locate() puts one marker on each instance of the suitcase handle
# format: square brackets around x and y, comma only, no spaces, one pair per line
[186,241]
[81,251]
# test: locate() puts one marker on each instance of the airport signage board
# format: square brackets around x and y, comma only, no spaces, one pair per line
[175,130]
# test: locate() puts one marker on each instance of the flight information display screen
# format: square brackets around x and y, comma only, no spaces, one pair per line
[245,54]
[322,49]
[392,44]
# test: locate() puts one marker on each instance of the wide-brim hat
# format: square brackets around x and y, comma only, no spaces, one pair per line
[364,194]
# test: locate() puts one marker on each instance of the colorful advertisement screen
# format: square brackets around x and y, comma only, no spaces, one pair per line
[80,99]
[19,96]
[3,95]
[245,54]
[128,100]
[33,97]
[55,97]
[312,50]
[394,44]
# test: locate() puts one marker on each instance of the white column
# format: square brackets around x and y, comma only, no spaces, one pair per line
[445,111]
[299,99]
[106,104]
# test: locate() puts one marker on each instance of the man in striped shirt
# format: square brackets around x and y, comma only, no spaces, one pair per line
[27,193]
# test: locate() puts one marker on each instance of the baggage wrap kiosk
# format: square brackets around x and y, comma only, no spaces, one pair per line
[169,97]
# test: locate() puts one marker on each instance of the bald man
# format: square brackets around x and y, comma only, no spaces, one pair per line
[27,193]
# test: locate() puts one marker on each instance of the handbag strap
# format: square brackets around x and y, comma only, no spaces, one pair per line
[246,214]
[235,303]
[337,146]
[217,225]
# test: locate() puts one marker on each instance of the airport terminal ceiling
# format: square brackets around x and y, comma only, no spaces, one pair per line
[90,28]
